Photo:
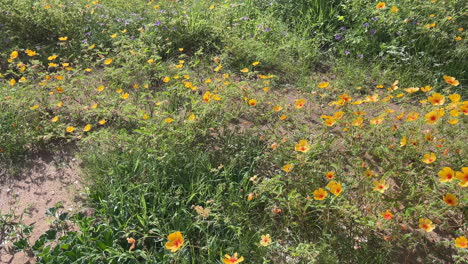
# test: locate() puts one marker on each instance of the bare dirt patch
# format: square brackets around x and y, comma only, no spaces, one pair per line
[45,181]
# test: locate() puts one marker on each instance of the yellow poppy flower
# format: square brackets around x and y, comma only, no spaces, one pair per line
[380,5]
[108,61]
[450,199]
[232,259]
[428,158]
[461,242]
[426,224]
[265,240]
[302,146]
[176,241]
[323,85]
[320,194]
[446,174]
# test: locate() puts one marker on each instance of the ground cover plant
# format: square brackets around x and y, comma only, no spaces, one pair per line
[242,131]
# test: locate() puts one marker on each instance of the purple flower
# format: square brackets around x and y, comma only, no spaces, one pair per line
[347,52]
[87,33]
[343,28]
[267,29]
[365,24]
[157,23]
[361,56]
[373,31]
[338,37]
[375,18]
[244,18]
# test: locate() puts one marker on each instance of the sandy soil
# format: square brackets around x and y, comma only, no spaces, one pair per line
[46,181]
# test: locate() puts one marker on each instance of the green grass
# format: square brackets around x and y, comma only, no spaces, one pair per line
[215,171]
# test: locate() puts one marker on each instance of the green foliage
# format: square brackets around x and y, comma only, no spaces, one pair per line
[186,112]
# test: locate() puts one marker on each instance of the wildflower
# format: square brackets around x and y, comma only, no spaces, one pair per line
[63,38]
[394,9]
[450,199]
[330,121]
[30,53]
[168,120]
[411,89]
[125,96]
[302,146]
[245,70]
[207,96]
[377,120]
[250,196]
[461,242]
[320,194]
[299,103]
[102,121]
[274,146]
[330,175]
[13,55]
[380,5]
[277,108]
[451,80]
[87,128]
[176,241]
[276,210]
[357,122]
[368,173]
[436,99]
[335,187]
[426,88]
[265,240]
[463,177]
[131,241]
[338,115]
[446,174]
[403,141]
[12,82]
[55,119]
[70,129]
[108,61]
[255,63]
[287,167]
[454,113]
[252,102]
[426,224]
[192,117]
[232,260]
[380,186]
[53,57]
[453,121]
[428,158]
[412,116]
[387,215]
[434,116]
[283,117]
[323,85]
